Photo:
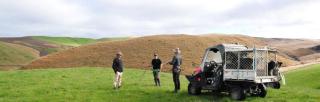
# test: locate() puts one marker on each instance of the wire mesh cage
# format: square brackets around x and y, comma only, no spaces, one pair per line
[250,60]
[231,60]
[272,56]
[261,62]
[246,60]
[239,60]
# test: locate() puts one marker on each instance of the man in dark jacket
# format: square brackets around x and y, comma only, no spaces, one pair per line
[176,63]
[117,67]
[156,67]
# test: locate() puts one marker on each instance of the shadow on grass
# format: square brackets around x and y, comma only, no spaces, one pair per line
[213,96]
[223,97]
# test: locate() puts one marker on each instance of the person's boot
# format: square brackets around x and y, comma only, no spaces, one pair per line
[175,91]
[119,86]
[115,87]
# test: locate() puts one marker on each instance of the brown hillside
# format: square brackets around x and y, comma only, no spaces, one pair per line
[316,48]
[139,51]
[298,49]
[313,54]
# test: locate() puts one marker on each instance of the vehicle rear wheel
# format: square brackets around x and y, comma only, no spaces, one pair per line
[276,85]
[238,93]
[262,90]
[192,90]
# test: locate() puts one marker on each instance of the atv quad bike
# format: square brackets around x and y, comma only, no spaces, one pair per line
[237,70]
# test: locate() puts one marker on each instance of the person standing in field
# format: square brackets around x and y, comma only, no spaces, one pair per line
[117,67]
[156,67]
[176,68]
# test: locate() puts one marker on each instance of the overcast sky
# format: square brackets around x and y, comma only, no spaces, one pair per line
[115,18]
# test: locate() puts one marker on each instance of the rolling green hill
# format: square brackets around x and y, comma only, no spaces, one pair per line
[68,41]
[12,48]
[43,47]
[95,84]
[13,54]
[47,45]
[16,54]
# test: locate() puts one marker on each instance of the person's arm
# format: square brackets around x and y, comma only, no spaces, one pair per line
[120,63]
[173,60]
[160,65]
[114,65]
[152,64]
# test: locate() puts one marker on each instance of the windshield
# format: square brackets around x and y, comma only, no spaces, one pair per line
[213,56]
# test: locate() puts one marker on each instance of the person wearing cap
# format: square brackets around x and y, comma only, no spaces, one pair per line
[176,68]
[117,67]
[156,67]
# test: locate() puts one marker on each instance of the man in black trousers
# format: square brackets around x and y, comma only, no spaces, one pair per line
[176,63]
[156,67]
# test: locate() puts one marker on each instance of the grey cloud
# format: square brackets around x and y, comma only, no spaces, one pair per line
[105,18]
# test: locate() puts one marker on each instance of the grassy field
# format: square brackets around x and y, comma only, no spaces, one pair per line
[69,41]
[95,84]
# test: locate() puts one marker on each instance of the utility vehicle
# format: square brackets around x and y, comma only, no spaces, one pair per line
[237,70]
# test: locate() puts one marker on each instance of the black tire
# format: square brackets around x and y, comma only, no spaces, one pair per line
[238,93]
[276,85]
[192,90]
[262,91]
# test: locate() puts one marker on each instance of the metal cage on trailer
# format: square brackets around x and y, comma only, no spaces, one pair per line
[238,70]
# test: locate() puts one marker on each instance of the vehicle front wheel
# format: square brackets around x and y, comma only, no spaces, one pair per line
[192,90]
[238,93]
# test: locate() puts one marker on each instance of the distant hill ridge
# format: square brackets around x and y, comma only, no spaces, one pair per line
[138,52]
[73,51]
